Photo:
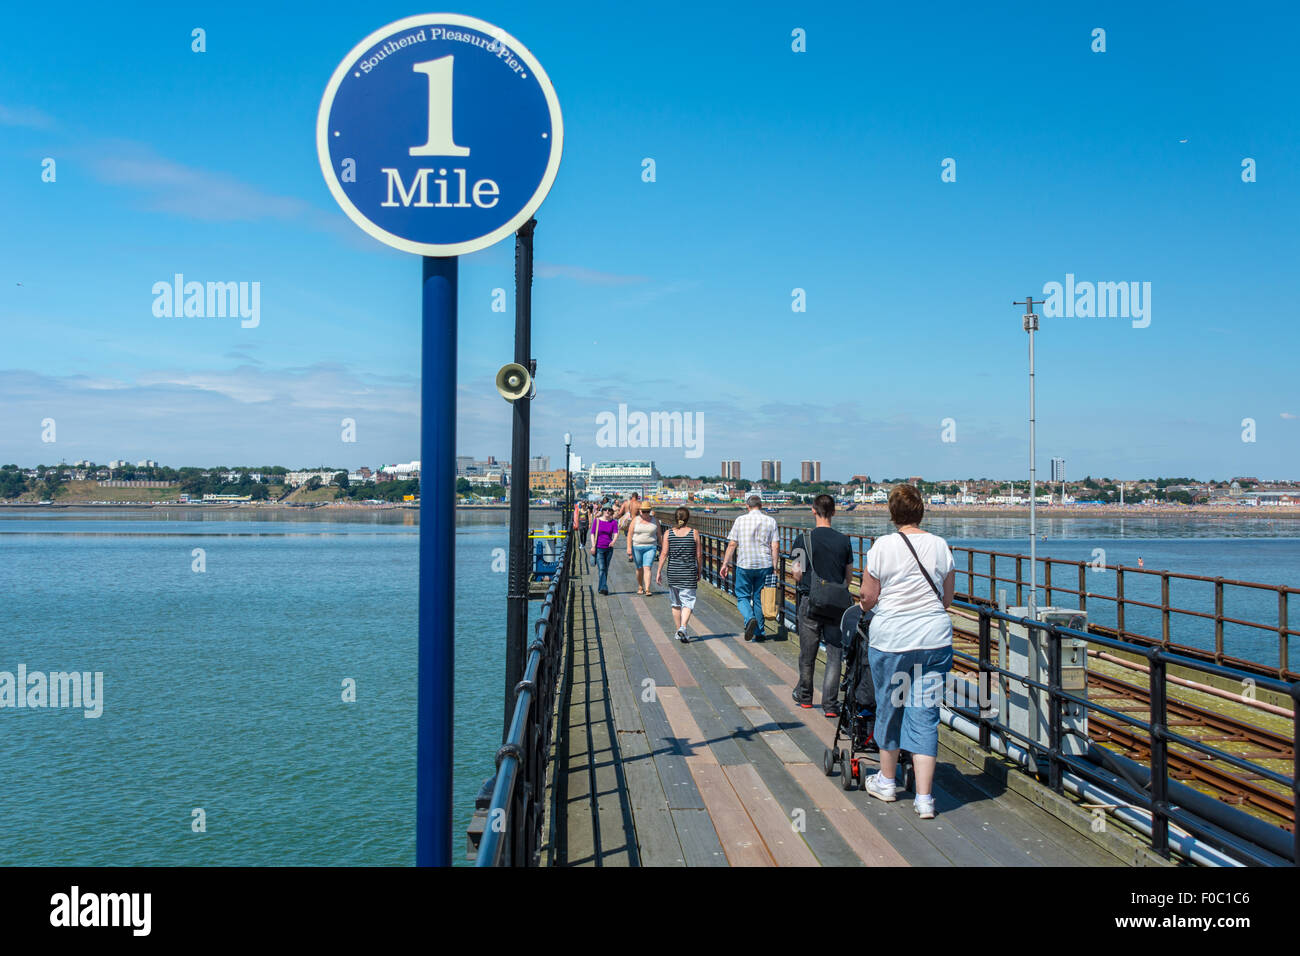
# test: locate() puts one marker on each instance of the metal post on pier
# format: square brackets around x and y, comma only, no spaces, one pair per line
[520,485]
[1031,326]
[379,120]
[437,607]
[568,483]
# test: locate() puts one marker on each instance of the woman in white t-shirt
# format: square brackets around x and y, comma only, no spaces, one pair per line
[909,583]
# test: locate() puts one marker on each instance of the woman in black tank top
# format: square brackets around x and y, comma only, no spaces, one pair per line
[680,554]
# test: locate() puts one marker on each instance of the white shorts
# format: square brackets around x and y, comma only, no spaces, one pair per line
[682,597]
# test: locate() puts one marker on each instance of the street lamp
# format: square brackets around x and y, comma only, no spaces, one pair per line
[568,490]
[1031,326]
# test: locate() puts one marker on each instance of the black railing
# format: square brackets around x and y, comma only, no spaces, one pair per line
[512,828]
[1135,604]
[1154,795]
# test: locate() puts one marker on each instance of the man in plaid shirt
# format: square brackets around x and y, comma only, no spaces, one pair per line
[754,535]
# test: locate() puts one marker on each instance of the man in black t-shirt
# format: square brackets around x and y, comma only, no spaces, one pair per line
[832,555]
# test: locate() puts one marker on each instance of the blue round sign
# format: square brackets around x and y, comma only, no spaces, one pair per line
[439,134]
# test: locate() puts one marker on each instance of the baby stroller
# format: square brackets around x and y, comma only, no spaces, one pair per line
[857,720]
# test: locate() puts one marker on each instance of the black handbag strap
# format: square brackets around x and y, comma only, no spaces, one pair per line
[924,573]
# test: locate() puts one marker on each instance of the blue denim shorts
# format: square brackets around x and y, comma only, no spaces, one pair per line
[909,692]
[644,557]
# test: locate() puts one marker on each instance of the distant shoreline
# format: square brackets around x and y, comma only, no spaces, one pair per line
[932,511]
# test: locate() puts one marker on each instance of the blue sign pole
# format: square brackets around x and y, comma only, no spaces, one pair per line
[438,135]
[436,669]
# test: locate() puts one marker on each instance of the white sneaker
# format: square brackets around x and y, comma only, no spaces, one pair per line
[924,806]
[681,635]
[880,788]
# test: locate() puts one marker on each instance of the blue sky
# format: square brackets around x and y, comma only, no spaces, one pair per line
[775,170]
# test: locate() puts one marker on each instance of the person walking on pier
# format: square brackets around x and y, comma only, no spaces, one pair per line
[911,644]
[753,540]
[603,533]
[627,513]
[817,617]
[583,525]
[643,544]
[682,554]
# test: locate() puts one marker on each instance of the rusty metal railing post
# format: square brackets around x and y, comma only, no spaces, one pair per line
[1083,586]
[1119,599]
[1218,620]
[1020,577]
[1284,659]
[1164,609]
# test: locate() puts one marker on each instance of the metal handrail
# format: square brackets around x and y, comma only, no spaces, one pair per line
[1156,801]
[965,559]
[512,835]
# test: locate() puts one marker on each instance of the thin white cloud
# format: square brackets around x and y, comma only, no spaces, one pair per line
[547,270]
[29,118]
[188,191]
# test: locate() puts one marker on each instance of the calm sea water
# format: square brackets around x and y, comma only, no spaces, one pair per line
[223,689]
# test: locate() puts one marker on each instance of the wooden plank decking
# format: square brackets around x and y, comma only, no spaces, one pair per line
[695,755]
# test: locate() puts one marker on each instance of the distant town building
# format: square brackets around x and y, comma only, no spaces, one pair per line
[810,471]
[623,477]
[730,470]
[539,463]
[402,472]
[771,471]
[296,478]
[467,466]
[1058,470]
[547,480]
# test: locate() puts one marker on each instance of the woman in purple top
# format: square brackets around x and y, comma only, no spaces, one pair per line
[604,531]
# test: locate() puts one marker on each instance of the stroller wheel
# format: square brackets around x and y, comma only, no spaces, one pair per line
[846,775]
[908,771]
[828,761]
[857,772]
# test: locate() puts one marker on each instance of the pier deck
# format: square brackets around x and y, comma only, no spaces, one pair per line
[695,755]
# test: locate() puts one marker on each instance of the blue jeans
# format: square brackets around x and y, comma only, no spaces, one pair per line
[749,593]
[909,692]
[602,565]
[643,556]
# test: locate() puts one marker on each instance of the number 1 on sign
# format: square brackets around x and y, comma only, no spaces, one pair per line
[441,141]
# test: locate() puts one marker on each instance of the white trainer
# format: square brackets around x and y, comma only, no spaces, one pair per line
[924,806]
[880,788]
